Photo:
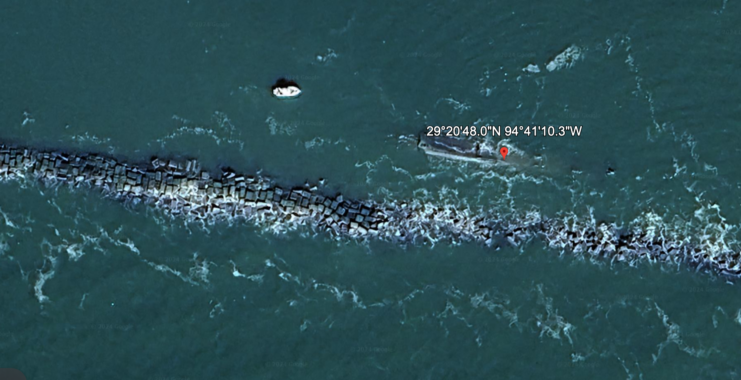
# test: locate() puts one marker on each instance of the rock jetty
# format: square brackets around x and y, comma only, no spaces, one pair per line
[182,188]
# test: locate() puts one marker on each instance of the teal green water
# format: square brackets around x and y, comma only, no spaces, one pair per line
[132,293]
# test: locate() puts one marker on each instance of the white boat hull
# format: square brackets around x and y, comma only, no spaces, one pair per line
[289,92]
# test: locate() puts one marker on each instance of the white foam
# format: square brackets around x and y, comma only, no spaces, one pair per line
[551,324]
[27,119]
[674,336]
[166,269]
[216,310]
[223,126]
[200,270]
[327,57]
[278,128]
[499,307]
[43,277]
[340,294]
[458,106]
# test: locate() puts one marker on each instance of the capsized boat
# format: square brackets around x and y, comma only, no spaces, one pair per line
[286,89]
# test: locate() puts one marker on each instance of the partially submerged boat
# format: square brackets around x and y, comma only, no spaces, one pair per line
[475,150]
[286,89]
[458,149]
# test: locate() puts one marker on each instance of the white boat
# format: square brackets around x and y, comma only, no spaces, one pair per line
[286,92]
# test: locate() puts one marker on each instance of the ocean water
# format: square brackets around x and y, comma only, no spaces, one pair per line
[95,288]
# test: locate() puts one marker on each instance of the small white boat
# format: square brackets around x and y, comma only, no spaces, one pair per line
[287,92]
